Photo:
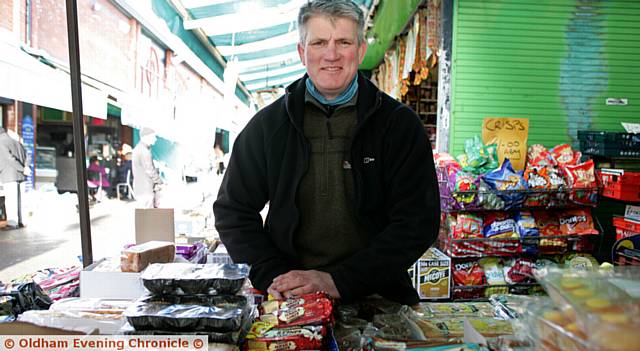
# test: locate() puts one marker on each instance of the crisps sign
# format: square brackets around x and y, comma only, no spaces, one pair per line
[510,134]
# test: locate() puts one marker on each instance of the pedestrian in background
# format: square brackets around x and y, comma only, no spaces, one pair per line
[12,173]
[146,179]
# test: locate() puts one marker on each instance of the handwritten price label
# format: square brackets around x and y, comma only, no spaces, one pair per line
[510,134]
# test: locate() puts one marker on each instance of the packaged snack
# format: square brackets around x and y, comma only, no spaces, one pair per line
[582,180]
[455,309]
[487,199]
[580,261]
[528,231]
[539,156]
[263,337]
[193,279]
[464,188]
[564,155]
[474,149]
[307,309]
[576,222]
[493,270]
[549,229]
[500,225]
[537,179]
[136,258]
[556,178]
[452,328]
[178,313]
[506,179]
[392,326]
[468,274]
[469,227]
[518,270]
[491,153]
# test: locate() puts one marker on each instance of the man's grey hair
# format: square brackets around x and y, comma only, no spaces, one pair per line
[333,9]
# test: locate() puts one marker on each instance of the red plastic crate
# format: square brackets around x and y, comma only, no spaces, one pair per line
[626,224]
[625,186]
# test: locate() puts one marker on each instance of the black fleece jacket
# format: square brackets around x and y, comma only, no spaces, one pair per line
[396,194]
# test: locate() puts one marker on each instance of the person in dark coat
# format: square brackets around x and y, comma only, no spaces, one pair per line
[347,171]
[12,172]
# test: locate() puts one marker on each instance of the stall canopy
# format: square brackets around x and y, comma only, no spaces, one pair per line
[259,37]
[25,78]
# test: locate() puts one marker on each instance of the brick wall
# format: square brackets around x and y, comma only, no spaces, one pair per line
[106,37]
[6,14]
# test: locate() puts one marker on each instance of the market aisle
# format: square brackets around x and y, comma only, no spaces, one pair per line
[52,236]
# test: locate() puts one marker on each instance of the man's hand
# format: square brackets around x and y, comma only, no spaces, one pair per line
[296,283]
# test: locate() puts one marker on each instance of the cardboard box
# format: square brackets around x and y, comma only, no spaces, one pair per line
[413,275]
[154,224]
[110,284]
[434,275]
[190,225]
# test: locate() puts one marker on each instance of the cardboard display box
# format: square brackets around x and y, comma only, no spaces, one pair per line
[434,275]
[110,284]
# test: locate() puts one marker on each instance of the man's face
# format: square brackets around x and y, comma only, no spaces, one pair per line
[331,54]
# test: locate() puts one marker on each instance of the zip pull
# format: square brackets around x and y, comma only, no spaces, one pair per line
[328,123]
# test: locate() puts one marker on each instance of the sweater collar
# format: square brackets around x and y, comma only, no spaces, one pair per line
[294,99]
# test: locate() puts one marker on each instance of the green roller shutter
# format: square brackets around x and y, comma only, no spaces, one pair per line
[553,61]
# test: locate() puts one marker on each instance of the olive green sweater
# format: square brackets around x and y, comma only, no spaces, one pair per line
[328,231]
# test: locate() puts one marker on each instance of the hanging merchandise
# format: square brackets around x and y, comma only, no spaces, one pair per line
[433,30]
[410,49]
[402,45]
[424,52]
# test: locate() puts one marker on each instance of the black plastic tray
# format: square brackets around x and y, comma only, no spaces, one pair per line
[195,279]
[177,313]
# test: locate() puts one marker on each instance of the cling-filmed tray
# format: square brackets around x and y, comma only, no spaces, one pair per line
[195,313]
[194,279]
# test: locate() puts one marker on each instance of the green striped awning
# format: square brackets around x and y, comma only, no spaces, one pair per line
[260,34]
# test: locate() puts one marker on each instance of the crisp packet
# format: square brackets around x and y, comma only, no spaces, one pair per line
[537,178]
[582,179]
[468,274]
[564,155]
[465,188]
[518,270]
[538,155]
[528,231]
[506,179]
[500,225]
[493,270]
[576,222]
[549,229]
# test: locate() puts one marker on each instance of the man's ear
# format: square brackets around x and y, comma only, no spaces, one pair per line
[301,54]
[362,50]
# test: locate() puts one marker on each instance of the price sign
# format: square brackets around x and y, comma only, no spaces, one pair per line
[510,134]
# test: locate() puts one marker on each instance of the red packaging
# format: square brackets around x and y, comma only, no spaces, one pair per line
[289,339]
[549,228]
[538,155]
[576,222]
[519,270]
[468,273]
[308,309]
[537,178]
[465,226]
[564,155]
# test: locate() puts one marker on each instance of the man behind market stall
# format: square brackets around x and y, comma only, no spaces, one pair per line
[347,171]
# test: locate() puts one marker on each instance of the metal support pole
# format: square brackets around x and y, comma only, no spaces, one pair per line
[78,132]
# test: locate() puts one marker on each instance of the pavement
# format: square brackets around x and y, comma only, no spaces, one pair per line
[51,237]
